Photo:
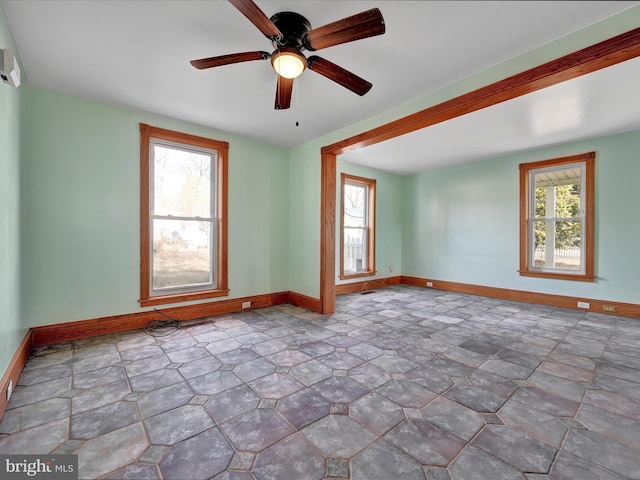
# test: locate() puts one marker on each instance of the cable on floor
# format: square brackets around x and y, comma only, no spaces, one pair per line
[368,284]
[162,328]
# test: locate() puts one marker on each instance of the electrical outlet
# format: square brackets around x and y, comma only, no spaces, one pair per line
[390,268]
[584,305]
[429,284]
[246,304]
[9,389]
[608,308]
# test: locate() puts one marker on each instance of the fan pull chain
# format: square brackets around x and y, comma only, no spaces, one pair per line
[297,87]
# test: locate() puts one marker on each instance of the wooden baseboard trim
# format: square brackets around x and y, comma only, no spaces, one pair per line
[101,326]
[304,301]
[14,369]
[597,306]
[63,332]
[364,285]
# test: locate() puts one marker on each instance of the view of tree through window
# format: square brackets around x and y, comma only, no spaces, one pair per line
[183,217]
[355,234]
[562,229]
[357,251]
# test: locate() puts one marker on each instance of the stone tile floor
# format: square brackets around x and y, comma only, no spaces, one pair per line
[401,383]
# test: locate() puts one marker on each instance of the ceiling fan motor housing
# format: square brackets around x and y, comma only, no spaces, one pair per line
[293,27]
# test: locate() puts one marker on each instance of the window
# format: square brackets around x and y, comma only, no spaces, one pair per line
[357,238]
[183,217]
[557,218]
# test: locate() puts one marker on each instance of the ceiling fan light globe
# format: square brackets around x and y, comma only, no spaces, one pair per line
[289,63]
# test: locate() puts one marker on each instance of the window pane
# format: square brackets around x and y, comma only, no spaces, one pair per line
[568,252]
[541,202]
[182,182]
[181,253]
[567,200]
[558,193]
[540,235]
[558,245]
[355,250]
[355,197]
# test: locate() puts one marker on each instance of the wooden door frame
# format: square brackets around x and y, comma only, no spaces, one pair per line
[590,59]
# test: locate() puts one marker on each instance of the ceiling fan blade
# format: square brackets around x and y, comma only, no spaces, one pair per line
[258,18]
[229,59]
[284,89]
[362,25]
[339,75]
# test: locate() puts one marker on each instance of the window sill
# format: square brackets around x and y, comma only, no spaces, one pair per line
[349,276]
[182,297]
[558,276]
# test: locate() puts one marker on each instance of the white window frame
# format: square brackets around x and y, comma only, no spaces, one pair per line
[368,229]
[213,274]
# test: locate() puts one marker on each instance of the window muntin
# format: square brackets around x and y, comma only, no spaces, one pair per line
[183,217]
[557,218]
[357,239]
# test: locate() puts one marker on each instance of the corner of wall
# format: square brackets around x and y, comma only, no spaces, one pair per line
[13,110]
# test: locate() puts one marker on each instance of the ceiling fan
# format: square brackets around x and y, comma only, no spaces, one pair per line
[291,33]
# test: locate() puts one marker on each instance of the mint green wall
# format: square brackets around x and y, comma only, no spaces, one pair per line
[461,223]
[81,210]
[388,220]
[462,218]
[12,326]
[304,220]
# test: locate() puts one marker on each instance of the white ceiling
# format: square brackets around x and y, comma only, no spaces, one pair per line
[136,54]
[601,103]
